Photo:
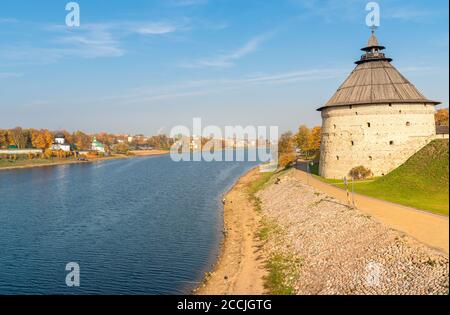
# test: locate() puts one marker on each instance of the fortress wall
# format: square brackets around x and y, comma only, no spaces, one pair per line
[380,137]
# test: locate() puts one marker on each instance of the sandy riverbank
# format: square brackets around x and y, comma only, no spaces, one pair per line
[56,162]
[240,267]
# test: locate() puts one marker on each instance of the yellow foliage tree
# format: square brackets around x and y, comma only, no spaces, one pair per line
[308,140]
[442,117]
[48,136]
[315,139]
[302,138]
[48,153]
[286,150]
[3,138]
[41,139]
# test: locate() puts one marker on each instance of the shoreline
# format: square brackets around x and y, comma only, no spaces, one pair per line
[137,154]
[239,268]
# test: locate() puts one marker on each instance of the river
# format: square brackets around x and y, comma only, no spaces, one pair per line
[135,226]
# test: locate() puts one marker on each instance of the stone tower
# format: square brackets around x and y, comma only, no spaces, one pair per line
[376,119]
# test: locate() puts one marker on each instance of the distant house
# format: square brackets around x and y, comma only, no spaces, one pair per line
[98,146]
[59,143]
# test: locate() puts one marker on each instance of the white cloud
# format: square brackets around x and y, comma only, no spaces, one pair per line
[96,40]
[229,59]
[92,41]
[206,87]
[154,28]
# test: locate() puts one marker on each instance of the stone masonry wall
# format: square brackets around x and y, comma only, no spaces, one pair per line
[380,137]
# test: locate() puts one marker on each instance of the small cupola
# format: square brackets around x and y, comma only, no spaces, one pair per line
[373,51]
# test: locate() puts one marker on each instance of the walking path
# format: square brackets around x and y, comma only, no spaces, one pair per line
[428,228]
[330,248]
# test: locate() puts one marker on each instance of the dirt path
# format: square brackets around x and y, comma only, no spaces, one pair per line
[240,269]
[428,228]
[342,251]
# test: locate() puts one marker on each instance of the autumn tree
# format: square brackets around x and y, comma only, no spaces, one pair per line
[160,142]
[122,148]
[18,137]
[3,138]
[48,136]
[302,138]
[286,150]
[68,136]
[315,139]
[41,139]
[441,117]
[308,140]
[104,138]
[38,139]
[82,140]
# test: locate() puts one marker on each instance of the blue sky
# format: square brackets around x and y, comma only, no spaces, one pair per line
[145,66]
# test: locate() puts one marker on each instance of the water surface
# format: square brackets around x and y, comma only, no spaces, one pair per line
[136,226]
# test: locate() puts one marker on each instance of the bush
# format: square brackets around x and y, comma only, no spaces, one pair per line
[121,148]
[360,172]
[48,153]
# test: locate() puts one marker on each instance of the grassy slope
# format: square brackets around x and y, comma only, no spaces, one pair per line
[422,182]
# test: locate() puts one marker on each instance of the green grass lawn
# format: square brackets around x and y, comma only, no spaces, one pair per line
[314,170]
[422,182]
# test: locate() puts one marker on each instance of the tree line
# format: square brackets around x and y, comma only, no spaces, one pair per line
[441,117]
[306,142]
[43,139]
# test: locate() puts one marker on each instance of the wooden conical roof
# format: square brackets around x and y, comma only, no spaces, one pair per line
[376,81]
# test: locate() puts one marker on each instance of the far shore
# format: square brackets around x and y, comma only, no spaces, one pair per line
[56,162]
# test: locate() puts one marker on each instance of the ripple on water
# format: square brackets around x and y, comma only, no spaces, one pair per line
[137,226]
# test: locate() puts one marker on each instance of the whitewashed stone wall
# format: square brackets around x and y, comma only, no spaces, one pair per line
[21,152]
[379,137]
